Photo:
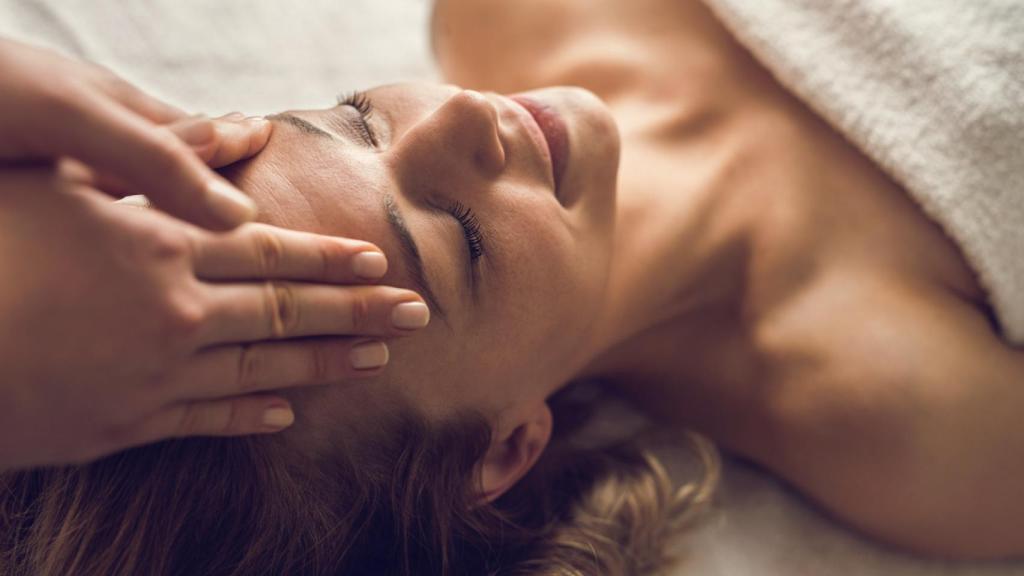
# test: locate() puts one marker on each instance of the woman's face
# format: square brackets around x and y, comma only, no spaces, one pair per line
[457,189]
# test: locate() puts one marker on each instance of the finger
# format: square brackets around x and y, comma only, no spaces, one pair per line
[238,370]
[78,172]
[113,140]
[235,138]
[272,310]
[134,202]
[218,142]
[74,171]
[261,252]
[149,107]
[238,416]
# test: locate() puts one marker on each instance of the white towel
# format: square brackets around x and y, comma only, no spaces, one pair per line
[933,91]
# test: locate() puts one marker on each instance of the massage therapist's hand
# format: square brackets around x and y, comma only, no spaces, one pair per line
[122,326]
[53,107]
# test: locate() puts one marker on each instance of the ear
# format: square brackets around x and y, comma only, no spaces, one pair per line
[511,456]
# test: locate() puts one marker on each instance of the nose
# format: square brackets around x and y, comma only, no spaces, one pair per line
[463,133]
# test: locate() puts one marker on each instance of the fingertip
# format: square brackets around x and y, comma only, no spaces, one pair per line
[410,316]
[229,205]
[277,417]
[261,129]
[197,131]
[369,357]
[257,123]
[370,265]
[135,201]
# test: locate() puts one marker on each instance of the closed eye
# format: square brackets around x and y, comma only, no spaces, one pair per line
[470,228]
[361,102]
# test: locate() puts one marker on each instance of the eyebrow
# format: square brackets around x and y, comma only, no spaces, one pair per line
[304,125]
[413,260]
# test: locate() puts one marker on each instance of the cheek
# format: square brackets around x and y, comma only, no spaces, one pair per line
[549,287]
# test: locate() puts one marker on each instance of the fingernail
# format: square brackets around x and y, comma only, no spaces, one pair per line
[228,203]
[195,131]
[137,201]
[410,316]
[257,123]
[369,265]
[234,116]
[278,417]
[369,356]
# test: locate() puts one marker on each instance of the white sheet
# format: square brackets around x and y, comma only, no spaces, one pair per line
[257,56]
[262,55]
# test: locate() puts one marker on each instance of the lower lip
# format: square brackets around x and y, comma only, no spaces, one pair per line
[555,134]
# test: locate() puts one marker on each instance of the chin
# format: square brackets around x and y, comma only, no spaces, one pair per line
[588,117]
[594,135]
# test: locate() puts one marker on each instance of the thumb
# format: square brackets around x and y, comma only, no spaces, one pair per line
[225,140]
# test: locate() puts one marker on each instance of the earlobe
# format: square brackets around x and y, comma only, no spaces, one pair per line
[512,456]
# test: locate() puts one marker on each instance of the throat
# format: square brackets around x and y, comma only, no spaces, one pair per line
[682,246]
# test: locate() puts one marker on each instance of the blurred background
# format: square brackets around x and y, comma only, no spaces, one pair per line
[249,55]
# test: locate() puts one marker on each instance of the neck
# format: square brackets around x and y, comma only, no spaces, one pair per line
[682,240]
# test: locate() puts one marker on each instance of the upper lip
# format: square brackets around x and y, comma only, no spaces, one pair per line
[534,134]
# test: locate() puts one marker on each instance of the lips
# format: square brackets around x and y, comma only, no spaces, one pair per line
[556,135]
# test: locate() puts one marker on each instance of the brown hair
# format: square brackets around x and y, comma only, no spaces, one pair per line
[402,503]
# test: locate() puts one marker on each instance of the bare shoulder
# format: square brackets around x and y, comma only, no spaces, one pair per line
[901,413]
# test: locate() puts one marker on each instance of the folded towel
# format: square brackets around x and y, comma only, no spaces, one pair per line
[933,92]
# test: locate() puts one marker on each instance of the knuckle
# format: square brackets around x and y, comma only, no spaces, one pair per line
[321,361]
[331,254]
[166,151]
[56,102]
[230,419]
[269,251]
[113,83]
[189,422]
[251,363]
[62,98]
[193,244]
[102,77]
[166,243]
[283,309]
[183,319]
[360,311]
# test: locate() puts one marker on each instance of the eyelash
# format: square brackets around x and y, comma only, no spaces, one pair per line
[361,102]
[464,214]
[471,228]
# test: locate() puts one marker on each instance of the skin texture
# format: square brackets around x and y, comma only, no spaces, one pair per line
[756,278]
[542,273]
[122,327]
[769,285]
[56,107]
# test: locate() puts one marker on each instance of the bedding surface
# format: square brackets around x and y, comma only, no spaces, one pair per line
[261,56]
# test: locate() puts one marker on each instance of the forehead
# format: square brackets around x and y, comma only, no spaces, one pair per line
[345,188]
[316,184]
[311,183]
[329,186]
